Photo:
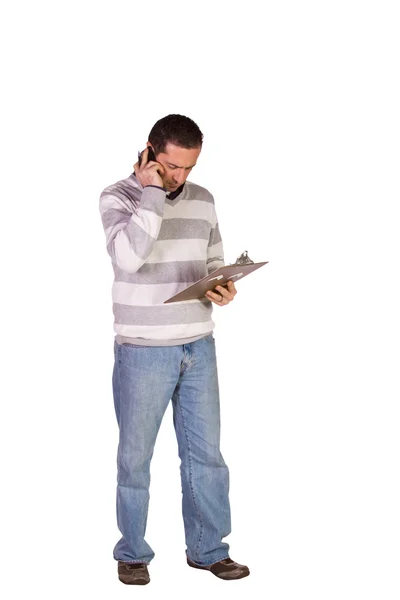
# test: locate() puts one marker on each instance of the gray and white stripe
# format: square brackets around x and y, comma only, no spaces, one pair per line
[158,248]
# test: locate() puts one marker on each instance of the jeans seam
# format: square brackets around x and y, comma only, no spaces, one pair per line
[133,562]
[118,378]
[191,480]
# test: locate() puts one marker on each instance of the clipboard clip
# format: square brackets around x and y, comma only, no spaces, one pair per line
[244,259]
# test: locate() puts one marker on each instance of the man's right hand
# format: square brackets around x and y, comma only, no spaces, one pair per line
[149,173]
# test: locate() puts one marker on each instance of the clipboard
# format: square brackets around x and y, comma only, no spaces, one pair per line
[219,277]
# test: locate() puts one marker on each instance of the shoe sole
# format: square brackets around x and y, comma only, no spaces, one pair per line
[139,582]
[194,566]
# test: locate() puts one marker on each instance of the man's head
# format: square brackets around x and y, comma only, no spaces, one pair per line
[176,141]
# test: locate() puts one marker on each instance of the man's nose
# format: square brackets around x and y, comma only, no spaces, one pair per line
[180,176]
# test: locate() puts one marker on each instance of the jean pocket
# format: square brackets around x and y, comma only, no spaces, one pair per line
[210,338]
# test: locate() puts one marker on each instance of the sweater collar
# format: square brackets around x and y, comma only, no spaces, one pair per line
[175,194]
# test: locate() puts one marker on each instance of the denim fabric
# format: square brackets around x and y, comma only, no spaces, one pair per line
[145,379]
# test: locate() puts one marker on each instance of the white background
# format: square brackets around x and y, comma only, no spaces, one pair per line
[299,106]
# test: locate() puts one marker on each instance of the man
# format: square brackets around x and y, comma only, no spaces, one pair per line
[162,235]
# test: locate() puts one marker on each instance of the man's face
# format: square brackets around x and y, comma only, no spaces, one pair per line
[177,163]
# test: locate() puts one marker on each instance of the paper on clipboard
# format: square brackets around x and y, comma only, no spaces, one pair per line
[219,277]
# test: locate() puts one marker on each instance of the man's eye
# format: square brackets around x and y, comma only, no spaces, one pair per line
[171,167]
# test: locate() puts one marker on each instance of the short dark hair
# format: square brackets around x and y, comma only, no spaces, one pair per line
[175,129]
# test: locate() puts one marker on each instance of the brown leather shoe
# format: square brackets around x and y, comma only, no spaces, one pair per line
[224,569]
[133,573]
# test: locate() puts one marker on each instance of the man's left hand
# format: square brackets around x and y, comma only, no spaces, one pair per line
[227,294]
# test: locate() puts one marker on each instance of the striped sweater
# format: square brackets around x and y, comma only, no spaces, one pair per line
[159,246]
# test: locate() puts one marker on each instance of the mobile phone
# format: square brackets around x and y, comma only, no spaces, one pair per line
[150,155]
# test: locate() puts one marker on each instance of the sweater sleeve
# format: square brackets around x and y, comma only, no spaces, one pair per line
[215,251]
[130,236]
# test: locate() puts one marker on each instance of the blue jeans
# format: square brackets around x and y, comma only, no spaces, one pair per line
[145,379]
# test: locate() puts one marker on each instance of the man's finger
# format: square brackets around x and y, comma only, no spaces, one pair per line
[224,292]
[213,296]
[157,166]
[232,287]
